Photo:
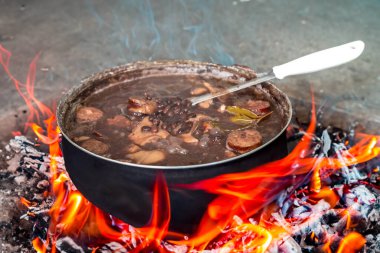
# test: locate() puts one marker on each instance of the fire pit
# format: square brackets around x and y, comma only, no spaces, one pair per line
[323,196]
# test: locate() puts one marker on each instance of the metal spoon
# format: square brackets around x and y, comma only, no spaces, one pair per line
[314,62]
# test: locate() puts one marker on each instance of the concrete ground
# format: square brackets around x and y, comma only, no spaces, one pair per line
[77,38]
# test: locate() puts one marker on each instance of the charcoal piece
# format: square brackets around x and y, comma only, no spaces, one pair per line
[67,245]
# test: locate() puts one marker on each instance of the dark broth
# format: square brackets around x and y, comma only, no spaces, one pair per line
[209,148]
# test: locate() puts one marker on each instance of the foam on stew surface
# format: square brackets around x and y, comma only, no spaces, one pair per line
[149,121]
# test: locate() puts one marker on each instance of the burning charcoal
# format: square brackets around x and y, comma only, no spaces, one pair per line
[113,247]
[326,142]
[374,217]
[43,184]
[243,140]
[176,248]
[67,245]
[289,245]
[14,163]
[301,212]
[360,199]
[87,114]
[95,146]
[373,243]
[20,179]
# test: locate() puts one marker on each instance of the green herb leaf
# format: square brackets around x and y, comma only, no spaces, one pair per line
[238,111]
[244,116]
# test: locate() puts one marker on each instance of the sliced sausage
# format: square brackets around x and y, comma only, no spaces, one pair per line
[119,121]
[258,106]
[243,140]
[141,105]
[88,114]
[95,146]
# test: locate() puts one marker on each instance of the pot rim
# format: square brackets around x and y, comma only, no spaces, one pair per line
[63,100]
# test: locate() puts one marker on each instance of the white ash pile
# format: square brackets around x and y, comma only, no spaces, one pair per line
[353,203]
[23,174]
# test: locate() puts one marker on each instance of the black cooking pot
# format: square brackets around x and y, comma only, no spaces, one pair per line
[125,189]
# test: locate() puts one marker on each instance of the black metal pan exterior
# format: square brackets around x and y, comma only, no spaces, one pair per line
[125,189]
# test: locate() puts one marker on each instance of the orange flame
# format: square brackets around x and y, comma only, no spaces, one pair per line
[248,238]
[26,90]
[38,245]
[329,195]
[245,194]
[25,202]
[237,192]
[352,243]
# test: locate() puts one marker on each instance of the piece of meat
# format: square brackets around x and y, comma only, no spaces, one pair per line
[147,156]
[205,104]
[88,114]
[119,121]
[229,154]
[81,138]
[140,105]
[211,88]
[196,91]
[141,138]
[188,138]
[207,126]
[171,145]
[95,146]
[243,140]
[258,106]
[82,129]
[132,148]
[222,108]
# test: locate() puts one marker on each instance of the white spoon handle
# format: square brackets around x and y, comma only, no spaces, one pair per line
[320,60]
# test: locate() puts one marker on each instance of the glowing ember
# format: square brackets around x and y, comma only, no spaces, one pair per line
[246,215]
[353,242]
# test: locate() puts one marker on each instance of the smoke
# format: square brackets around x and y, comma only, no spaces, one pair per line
[149,30]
